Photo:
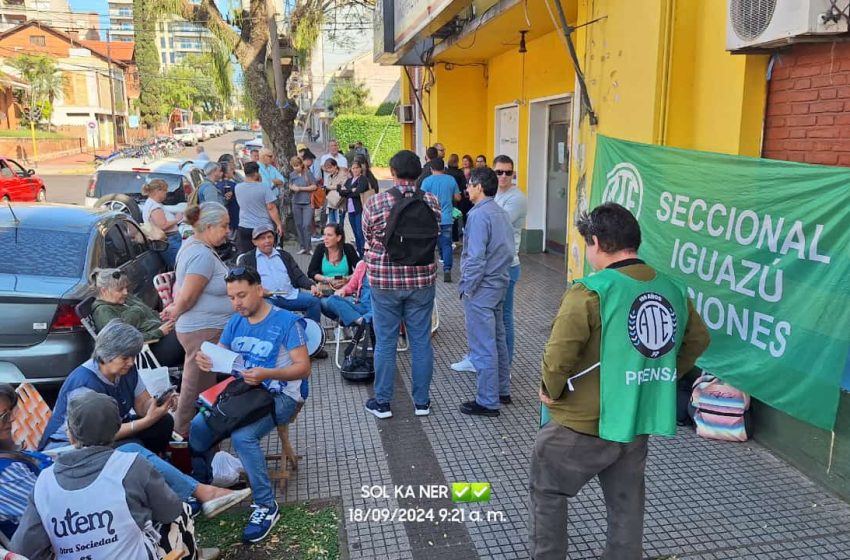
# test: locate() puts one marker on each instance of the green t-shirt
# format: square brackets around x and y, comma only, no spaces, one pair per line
[339,269]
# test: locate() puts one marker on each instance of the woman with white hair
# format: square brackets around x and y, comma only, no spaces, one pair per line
[201,307]
[153,212]
[114,301]
[207,191]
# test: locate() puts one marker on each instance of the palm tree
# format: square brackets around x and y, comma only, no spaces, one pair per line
[45,80]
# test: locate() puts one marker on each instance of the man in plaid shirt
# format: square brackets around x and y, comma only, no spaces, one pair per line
[399,293]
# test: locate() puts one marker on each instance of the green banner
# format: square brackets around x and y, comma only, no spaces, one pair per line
[764,248]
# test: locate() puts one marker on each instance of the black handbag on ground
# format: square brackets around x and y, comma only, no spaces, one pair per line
[239,404]
[358,364]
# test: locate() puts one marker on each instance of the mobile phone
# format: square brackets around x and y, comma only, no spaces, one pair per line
[338,277]
[165,396]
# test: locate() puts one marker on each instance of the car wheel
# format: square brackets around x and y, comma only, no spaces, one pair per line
[120,203]
[41,196]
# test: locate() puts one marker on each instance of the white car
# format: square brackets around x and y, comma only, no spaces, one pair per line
[229,126]
[185,136]
[214,128]
[201,132]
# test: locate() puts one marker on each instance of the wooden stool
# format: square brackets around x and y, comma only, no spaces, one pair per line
[287,456]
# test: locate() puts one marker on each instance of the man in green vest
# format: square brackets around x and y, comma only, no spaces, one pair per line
[621,339]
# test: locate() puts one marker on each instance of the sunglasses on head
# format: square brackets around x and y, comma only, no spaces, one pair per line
[235,273]
[116,274]
[501,172]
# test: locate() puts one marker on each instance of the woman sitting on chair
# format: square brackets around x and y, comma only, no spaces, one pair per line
[115,302]
[112,371]
[333,260]
[351,304]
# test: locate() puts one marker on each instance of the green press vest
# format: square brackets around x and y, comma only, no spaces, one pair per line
[643,324]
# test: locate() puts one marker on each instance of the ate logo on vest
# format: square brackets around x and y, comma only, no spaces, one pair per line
[652,325]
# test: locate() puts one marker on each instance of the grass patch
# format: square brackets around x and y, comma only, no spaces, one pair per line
[39,134]
[305,532]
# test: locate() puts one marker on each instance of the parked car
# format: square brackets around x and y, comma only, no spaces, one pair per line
[214,127]
[185,136]
[118,185]
[20,185]
[201,132]
[229,126]
[41,337]
[242,149]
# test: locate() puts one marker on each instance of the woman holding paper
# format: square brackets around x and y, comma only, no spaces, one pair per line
[112,372]
[201,307]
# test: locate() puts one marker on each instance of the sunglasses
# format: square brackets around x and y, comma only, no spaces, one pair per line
[501,172]
[235,273]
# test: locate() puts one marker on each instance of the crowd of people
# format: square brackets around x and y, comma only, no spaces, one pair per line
[109,434]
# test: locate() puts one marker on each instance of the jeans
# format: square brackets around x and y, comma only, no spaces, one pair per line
[389,309]
[333,216]
[355,220]
[445,244]
[246,441]
[169,256]
[485,334]
[182,485]
[343,309]
[509,312]
[306,302]
[303,216]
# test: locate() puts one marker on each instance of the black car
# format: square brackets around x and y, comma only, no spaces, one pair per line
[47,254]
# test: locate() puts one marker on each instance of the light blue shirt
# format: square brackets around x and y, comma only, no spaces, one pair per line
[268,173]
[444,187]
[488,250]
[273,274]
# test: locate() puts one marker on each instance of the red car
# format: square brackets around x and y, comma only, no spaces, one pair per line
[20,185]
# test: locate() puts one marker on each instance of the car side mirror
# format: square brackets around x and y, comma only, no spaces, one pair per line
[158,245]
[30,172]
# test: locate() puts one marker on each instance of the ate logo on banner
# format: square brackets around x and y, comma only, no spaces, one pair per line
[624,186]
[652,325]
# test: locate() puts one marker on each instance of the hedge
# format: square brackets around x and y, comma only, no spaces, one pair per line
[348,129]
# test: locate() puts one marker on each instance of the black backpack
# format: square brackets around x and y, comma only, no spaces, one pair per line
[412,229]
[358,365]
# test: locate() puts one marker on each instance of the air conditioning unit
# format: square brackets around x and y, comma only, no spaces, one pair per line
[765,24]
[405,114]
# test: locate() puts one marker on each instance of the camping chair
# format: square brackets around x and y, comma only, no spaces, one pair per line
[145,359]
[30,418]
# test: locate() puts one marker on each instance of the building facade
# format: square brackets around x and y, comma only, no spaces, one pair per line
[93,101]
[57,13]
[490,77]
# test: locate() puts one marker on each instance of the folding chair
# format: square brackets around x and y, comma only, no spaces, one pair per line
[30,417]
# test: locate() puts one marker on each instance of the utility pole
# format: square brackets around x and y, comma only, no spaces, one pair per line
[275,44]
[111,93]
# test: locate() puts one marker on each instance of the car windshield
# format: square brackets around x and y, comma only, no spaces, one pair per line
[22,252]
[112,182]
[181,130]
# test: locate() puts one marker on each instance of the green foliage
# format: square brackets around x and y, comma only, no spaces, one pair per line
[386,109]
[193,85]
[348,97]
[45,82]
[151,106]
[26,133]
[304,532]
[382,135]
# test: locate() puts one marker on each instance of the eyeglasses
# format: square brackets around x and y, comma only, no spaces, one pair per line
[501,172]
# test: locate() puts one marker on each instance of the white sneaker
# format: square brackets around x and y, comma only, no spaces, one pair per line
[302,251]
[464,365]
[222,503]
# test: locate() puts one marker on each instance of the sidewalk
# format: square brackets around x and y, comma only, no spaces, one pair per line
[705,499]
[74,164]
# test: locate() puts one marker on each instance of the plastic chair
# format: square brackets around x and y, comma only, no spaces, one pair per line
[30,417]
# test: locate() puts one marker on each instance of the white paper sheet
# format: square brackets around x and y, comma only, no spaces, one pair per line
[223,360]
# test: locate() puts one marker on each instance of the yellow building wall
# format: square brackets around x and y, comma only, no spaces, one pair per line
[657,71]
[458,108]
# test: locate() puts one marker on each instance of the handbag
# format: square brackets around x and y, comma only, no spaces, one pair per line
[239,404]
[334,199]
[317,198]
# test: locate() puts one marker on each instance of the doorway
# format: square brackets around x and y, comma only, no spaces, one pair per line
[557,177]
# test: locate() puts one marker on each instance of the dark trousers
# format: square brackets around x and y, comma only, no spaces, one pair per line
[564,461]
[168,351]
[244,239]
[156,438]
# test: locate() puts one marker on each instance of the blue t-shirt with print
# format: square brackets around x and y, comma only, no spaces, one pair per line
[444,187]
[267,344]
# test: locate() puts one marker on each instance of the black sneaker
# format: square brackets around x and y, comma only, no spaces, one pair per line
[505,399]
[378,409]
[475,409]
[447,276]
[422,409]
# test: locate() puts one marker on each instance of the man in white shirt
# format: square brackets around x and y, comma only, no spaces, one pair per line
[285,283]
[333,152]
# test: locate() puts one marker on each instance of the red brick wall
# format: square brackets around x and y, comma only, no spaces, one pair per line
[808,105]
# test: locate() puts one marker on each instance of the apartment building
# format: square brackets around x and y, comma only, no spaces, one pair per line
[56,13]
